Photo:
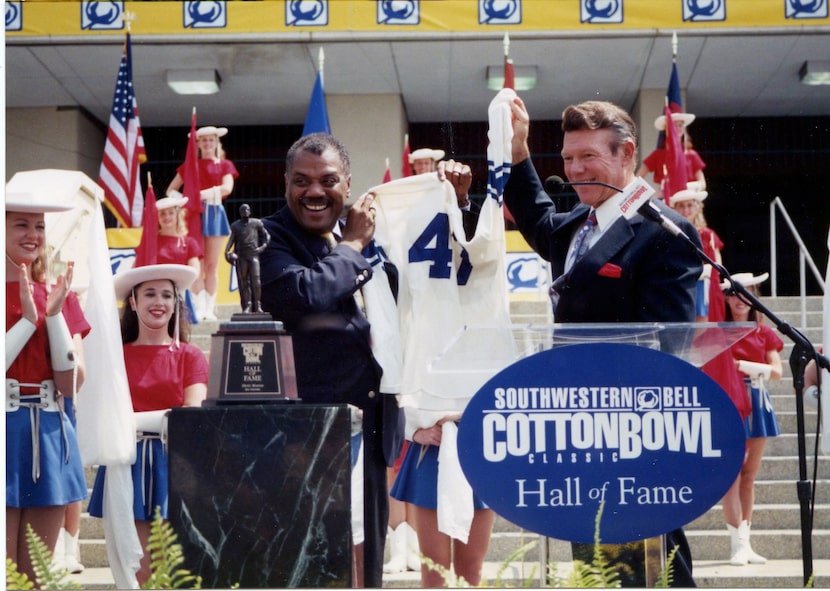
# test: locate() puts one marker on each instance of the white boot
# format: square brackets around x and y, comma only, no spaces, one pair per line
[396,539]
[199,304]
[210,304]
[739,556]
[743,531]
[58,552]
[413,558]
[72,553]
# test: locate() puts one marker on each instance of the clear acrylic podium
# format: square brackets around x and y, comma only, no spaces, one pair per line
[479,352]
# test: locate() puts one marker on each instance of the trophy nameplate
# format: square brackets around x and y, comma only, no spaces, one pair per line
[251,361]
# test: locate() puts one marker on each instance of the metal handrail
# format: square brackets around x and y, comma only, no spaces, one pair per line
[803,257]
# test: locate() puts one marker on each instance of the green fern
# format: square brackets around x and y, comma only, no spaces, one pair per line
[46,575]
[166,558]
[15,579]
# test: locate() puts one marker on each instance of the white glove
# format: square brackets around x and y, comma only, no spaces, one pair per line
[212,195]
[61,345]
[151,421]
[754,370]
[16,338]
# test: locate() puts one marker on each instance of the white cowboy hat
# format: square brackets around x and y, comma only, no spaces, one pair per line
[211,130]
[745,279]
[175,199]
[690,192]
[423,153]
[686,118]
[182,277]
[49,190]
[30,203]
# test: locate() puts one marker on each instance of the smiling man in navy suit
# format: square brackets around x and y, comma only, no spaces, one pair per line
[311,281]
[632,270]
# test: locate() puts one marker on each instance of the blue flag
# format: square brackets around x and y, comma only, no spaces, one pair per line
[317,117]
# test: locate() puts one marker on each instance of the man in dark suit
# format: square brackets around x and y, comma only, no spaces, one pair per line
[633,270]
[311,282]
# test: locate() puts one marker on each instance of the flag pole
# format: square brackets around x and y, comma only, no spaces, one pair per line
[320,61]
[506,45]
[674,46]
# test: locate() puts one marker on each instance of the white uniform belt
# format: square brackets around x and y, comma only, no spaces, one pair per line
[41,396]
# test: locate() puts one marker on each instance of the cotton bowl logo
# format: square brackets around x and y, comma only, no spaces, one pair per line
[14,16]
[704,10]
[102,16]
[806,8]
[601,11]
[307,13]
[205,15]
[522,273]
[499,12]
[398,12]
[647,435]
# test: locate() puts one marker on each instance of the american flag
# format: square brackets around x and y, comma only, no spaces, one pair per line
[124,149]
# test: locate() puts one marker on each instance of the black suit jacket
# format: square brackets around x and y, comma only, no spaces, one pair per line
[312,292]
[636,272]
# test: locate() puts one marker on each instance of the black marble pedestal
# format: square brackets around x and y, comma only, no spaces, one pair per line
[259,495]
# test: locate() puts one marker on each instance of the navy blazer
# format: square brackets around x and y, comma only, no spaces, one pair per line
[635,272]
[312,292]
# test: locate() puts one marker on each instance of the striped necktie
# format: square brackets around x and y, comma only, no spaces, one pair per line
[583,241]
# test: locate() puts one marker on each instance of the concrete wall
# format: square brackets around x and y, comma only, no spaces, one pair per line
[65,138]
[372,127]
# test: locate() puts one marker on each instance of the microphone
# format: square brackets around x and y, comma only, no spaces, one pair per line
[556,184]
[637,200]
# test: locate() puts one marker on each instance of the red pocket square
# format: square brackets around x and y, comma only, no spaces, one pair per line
[610,270]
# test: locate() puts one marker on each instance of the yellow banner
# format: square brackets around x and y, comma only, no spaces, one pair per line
[305,17]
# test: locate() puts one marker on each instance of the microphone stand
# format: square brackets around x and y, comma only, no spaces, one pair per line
[803,351]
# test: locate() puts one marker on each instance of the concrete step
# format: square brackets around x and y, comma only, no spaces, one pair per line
[767,517]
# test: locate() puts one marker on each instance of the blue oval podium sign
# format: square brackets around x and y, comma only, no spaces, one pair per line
[551,437]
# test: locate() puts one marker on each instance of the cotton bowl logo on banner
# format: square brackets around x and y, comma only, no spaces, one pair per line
[646,434]
[14,16]
[307,13]
[102,16]
[601,12]
[704,10]
[399,12]
[806,8]
[205,15]
[499,12]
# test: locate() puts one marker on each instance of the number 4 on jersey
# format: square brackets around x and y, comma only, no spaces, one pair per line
[433,245]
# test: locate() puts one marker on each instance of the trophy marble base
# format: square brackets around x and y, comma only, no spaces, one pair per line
[260,494]
[251,362]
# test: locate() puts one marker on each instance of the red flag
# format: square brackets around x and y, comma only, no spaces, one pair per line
[146,253]
[509,74]
[406,167]
[192,186]
[675,161]
[124,149]
[387,176]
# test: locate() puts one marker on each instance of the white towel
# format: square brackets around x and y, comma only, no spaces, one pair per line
[455,496]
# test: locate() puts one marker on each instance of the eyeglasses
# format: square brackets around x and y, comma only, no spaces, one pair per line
[729,292]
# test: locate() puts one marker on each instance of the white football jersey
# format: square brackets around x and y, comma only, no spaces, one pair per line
[453,294]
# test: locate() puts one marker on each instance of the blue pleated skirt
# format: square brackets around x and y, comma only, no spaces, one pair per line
[762,422]
[61,479]
[417,483]
[215,221]
[150,489]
